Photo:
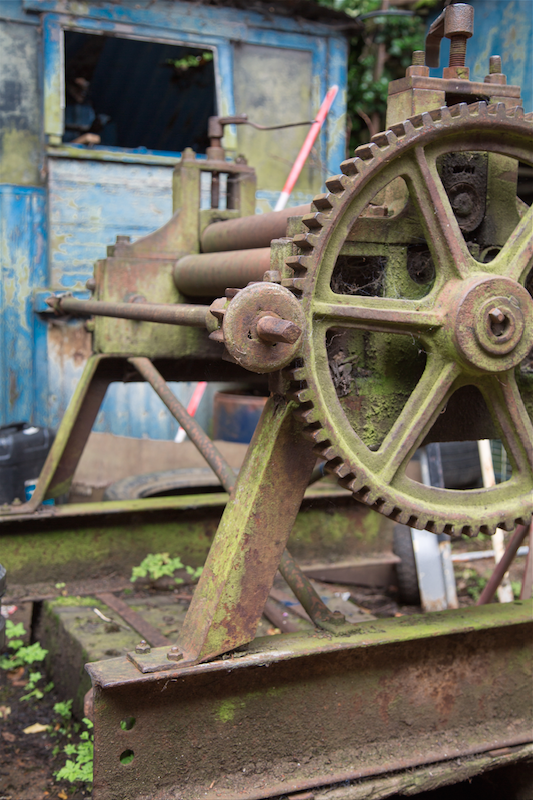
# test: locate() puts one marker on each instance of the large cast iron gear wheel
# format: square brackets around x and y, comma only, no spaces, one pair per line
[474,323]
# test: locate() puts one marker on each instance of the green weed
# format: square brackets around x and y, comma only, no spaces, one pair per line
[158,565]
[21,655]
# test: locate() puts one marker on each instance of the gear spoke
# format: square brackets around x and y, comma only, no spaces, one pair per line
[505,403]
[378,314]
[516,256]
[444,237]
[417,417]
[470,323]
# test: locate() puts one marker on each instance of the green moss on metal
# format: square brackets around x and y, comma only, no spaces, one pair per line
[75,601]
[73,553]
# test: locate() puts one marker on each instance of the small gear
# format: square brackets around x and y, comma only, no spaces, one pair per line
[469,328]
[260,326]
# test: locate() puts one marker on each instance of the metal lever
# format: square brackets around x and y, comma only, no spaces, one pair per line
[455,23]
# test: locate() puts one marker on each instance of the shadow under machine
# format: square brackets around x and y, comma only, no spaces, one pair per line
[393,312]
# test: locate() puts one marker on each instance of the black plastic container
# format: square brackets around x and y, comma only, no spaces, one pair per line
[23,451]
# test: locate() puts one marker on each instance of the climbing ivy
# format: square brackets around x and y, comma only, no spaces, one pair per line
[379,54]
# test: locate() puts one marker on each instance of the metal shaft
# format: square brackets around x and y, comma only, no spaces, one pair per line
[147,312]
[249,232]
[210,274]
[306,594]
[502,566]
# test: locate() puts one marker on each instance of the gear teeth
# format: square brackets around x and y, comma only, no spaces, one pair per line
[325,451]
[384,139]
[302,395]
[298,263]
[367,151]
[298,284]
[516,113]
[444,115]
[336,184]
[353,166]
[400,516]
[498,110]
[307,415]
[305,241]
[423,120]
[296,374]
[314,221]
[455,111]
[435,527]
[318,436]
[324,202]
[342,471]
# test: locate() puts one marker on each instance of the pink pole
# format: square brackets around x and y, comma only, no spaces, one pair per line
[192,407]
[294,174]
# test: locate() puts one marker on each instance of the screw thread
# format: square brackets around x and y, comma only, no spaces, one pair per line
[457,51]
[419,58]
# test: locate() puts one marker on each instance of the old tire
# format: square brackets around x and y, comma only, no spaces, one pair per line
[402,545]
[171,482]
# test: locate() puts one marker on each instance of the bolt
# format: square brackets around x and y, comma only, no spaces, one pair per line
[143,648]
[496,316]
[174,654]
[273,329]
[462,204]
[495,65]
[419,58]
[457,51]
[91,284]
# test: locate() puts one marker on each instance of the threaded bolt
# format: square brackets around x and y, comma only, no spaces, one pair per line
[495,65]
[457,50]
[419,58]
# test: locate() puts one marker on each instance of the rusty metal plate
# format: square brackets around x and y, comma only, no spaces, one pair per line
[297,711]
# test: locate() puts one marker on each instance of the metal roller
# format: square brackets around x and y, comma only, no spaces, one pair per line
[247,232]
[210,274]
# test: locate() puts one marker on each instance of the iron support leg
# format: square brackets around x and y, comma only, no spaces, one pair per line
[250,540]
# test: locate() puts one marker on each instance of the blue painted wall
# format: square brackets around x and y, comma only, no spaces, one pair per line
[23,270]
[61,206]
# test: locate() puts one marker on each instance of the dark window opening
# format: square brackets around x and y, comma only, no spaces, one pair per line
[137,94]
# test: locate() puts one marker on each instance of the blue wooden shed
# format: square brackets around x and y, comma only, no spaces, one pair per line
[143,77]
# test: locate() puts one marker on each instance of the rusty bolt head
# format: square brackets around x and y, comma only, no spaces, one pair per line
[174,654]
[274,329]
[143,648]
[496,316]
[91,284]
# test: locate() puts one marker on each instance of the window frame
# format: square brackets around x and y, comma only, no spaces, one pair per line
[328,54]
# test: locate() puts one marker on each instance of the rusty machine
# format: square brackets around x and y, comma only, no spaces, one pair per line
[393,312]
